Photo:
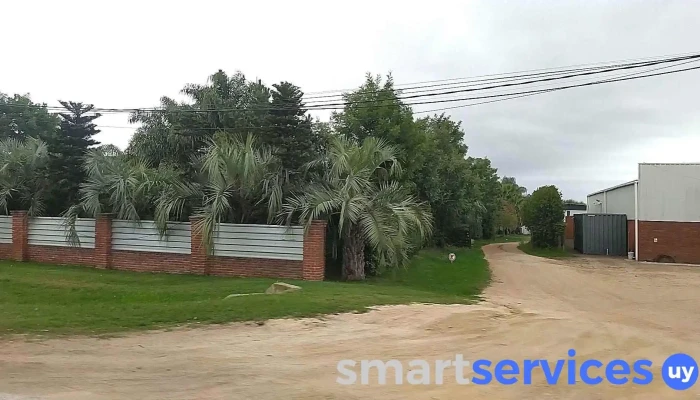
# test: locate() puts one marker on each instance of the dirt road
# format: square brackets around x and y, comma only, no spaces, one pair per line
[535,308]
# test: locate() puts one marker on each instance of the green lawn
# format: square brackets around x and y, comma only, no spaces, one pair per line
[526,247]
[54,300]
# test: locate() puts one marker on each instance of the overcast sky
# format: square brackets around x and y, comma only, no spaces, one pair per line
[130,53]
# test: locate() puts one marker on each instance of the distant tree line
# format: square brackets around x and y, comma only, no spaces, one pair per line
[239,151]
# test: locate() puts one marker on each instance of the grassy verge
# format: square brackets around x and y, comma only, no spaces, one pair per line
[47,299]
[526,247]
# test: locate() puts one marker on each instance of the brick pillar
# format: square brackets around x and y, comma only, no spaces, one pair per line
[198,253]
[314,263]
[20,235]
[103,241]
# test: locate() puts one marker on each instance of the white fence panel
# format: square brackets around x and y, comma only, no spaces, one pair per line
[5,229]
[51,231]
[259,241]
[129,235]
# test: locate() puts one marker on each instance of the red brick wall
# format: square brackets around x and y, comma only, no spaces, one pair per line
[61,255]
[142,261]
[630,235]
[255,267]
[6,251]
[102,256]
[679,240]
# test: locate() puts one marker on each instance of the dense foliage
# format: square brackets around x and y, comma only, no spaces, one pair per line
[543,214]
[237,150]
[360,185]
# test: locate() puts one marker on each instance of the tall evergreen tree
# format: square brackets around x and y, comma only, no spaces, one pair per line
[67,149]
[290,128]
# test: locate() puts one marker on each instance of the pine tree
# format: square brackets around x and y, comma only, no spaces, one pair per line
[67,148]
[290,134]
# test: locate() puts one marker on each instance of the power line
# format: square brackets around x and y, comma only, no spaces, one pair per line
[694,57]
[206,128]
[553,89]
[510,96]
[478,82]
[505,74]
[559,88]
[334,106]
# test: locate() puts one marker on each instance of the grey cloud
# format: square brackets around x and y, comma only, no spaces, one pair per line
[586,138]
[580,139]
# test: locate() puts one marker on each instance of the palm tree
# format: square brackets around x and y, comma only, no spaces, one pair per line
[357,189]
[238,181]
[23,178]
[118,183]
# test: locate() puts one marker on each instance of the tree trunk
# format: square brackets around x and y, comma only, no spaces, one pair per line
[354,255]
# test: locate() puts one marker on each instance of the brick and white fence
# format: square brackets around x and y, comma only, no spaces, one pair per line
[239,250]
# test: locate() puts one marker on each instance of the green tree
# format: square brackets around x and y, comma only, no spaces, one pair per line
[119,183]
[20,118]
[572,201]
[182,130]
[489,188]
[234,177]
[507,218]
[237,176]
[23,178]
[542,215]
[229,105]
[358,188]
[514,194]
[67,149]
[291,136]
[375,110]
[446,182]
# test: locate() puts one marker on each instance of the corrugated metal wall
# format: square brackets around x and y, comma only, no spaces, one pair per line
[230,240]
[616,201]
[5,229]
[601,234]
[259,241]
[669,192]
[51,231]
[128,235]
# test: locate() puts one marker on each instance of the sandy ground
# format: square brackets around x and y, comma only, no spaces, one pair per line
[535,308]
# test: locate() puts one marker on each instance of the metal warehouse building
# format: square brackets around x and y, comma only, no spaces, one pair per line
[663,211]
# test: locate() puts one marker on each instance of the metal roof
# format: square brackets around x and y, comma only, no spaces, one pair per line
[614,187]
[668,163]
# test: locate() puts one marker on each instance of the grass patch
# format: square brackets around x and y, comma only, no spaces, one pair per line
[554,252]
[56,300]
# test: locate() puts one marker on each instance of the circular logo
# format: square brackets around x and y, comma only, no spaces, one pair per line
[680,371]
